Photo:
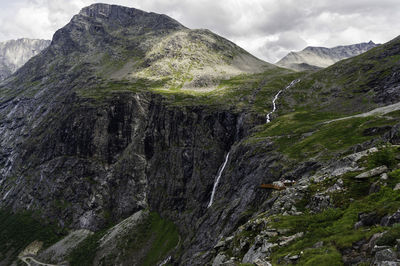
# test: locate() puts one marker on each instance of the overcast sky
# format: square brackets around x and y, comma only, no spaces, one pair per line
[267,28]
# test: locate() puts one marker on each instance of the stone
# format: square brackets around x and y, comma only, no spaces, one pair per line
[358,225]
[371,243]
[285,240]
[320,202]
[220,244]
[369,219]
[373,172]
[252,254]
[319,244]
[383,257]
[379,248]
[219,259]
[384,176]
[390,220]
[271,234]
[375,187]
[261,262]
[376,130]
[338,186]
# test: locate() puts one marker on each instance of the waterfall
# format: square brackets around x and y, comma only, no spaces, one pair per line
[221,169]
[276,98]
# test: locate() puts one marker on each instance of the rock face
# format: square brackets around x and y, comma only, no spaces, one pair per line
[312,58]
[15,53]
[84,160]
[94,135]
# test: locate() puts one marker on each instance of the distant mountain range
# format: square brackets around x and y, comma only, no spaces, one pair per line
[320,57]
[15,53]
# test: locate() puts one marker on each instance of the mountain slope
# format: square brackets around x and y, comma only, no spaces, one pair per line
[312,58]
[15,53]
[342,211]
[101,125]
[118,135]
[357,84]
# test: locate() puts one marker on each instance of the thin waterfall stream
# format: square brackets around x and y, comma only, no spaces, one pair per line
[276,98]
[221,170]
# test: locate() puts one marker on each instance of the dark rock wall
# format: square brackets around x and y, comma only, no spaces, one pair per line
[86,164]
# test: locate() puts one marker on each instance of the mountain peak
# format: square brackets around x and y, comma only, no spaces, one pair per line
[128,16]
[100,10]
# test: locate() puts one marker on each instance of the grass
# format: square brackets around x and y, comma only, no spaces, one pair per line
[164,237]
[326,256]
[18,230]
[385,156]
[304,134]
[335,227]
[252,92]
[107,89]
[84,254]
[389,238]
[349,86]
[149,242]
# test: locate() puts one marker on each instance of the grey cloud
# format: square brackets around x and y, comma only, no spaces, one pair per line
[266,28]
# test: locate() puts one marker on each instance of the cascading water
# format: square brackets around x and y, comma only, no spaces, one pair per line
[276,98]
[221,170]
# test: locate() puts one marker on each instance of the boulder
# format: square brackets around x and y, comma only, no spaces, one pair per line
[367,219]
[386,257]
[384,176]
[219,259]
[375,187]
[390,220]
[320,202]
[373,172]
[285,240]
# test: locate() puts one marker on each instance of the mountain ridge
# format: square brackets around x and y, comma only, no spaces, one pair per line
[15,53]
[321,57]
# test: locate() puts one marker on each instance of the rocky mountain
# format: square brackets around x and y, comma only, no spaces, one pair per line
[313,58]
[15,53]
[133,140]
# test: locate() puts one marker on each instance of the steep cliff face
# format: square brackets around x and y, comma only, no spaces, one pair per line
[15,53]
[85,144]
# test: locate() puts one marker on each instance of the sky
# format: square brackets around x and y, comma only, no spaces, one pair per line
[269,29]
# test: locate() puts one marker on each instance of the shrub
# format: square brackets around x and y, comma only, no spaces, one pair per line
[384,156]
[389,238]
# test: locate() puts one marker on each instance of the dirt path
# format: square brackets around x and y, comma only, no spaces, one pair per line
[28,260]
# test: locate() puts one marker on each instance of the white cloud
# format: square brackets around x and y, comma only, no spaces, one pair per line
[266,28]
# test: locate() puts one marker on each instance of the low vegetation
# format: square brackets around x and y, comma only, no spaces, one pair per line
[148,243]
[18,230]
[335,228]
